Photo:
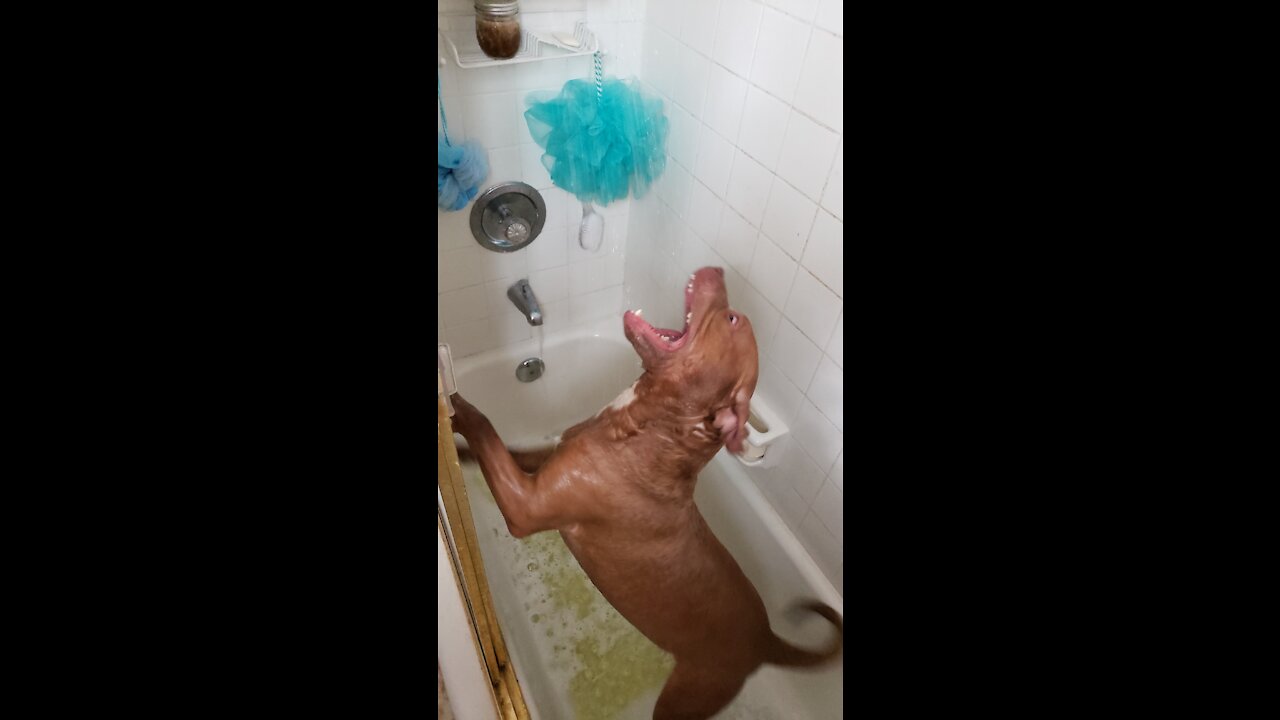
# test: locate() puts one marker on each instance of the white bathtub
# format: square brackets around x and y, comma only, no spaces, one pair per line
[574,656]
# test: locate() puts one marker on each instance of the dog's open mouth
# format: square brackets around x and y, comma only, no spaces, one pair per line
[663,338]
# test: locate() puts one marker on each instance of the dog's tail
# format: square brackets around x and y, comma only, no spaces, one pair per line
[781,652]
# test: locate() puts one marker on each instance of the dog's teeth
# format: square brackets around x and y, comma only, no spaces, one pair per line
[688,317]
[639,313]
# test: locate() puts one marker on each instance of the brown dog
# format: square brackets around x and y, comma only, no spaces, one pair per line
[619,488]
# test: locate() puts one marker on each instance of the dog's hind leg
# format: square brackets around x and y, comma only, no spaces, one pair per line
[696,692]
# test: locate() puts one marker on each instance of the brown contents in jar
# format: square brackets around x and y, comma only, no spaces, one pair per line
[498,38]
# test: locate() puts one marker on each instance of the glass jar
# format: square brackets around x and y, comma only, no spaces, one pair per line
[498,28]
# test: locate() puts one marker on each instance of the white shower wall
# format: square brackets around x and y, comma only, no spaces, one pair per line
[487,105]
[755,184]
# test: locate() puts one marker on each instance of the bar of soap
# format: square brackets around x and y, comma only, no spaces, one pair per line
[566,39]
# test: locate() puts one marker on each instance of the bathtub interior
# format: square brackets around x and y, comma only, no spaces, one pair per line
[584,371]
[574,655]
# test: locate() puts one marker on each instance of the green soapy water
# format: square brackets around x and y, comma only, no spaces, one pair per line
[607,669]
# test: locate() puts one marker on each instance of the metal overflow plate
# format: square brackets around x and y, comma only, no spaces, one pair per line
[508,216]
[529,370]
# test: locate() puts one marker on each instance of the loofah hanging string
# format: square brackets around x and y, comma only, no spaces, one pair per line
[460,169]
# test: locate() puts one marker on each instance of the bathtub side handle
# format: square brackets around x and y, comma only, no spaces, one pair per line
[446,385]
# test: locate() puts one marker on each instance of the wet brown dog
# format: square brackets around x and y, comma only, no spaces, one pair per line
[619,488]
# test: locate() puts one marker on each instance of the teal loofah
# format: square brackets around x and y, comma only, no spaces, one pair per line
[460,169]
[601,140]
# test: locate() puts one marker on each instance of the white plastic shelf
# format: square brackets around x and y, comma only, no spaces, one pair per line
[533,46]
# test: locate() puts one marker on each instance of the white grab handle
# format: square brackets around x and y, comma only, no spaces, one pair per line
[446,385]
[766,429]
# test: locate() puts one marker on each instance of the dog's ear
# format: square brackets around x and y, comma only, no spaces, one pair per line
[731,421]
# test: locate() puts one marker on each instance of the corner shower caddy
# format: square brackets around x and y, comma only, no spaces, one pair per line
[533,46]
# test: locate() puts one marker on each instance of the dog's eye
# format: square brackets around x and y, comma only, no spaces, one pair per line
[733,319]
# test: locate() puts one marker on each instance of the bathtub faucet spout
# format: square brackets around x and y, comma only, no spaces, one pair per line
[522,297]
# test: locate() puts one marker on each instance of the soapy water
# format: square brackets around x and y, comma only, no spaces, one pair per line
[596,660]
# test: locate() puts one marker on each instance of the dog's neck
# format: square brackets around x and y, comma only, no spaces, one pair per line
[656,417]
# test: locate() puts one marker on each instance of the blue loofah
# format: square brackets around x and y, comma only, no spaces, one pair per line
[602,140]
[459,168]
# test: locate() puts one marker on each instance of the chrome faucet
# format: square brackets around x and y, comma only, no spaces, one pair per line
[522,297]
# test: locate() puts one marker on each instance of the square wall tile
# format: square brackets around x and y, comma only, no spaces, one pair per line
[807,153]
[736,240]
[494,265]
[471,338]
[453,228]
[491,119]
[504,165]
[835,348]
[698,29]
[715,159]
[704,212]
[824,255]
[796,355]
[510,328]
[695,254]
[817,435]
[833,196]
[788,218]
[813,308]
[463,306]
[829,507]
[666,14]
[830,16]
[658,66]
[820,91]
[748,191]
[836,475]
[549,249]
[763,316]
[726,94]
[771,271]
[803,474]
[682,136]
[736,31]
[801,9]
[459,268]
[779,54]
[826,391]
[531,167]
[549,285]
[691,81]
[764,123]
[778,392]
[675,187]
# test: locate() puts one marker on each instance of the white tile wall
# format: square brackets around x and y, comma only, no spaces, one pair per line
[736,35]
[807,154]
[779,54]
[765,159]
[764,122]
[488,104]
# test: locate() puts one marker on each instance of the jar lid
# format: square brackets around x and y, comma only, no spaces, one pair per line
[499,8]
